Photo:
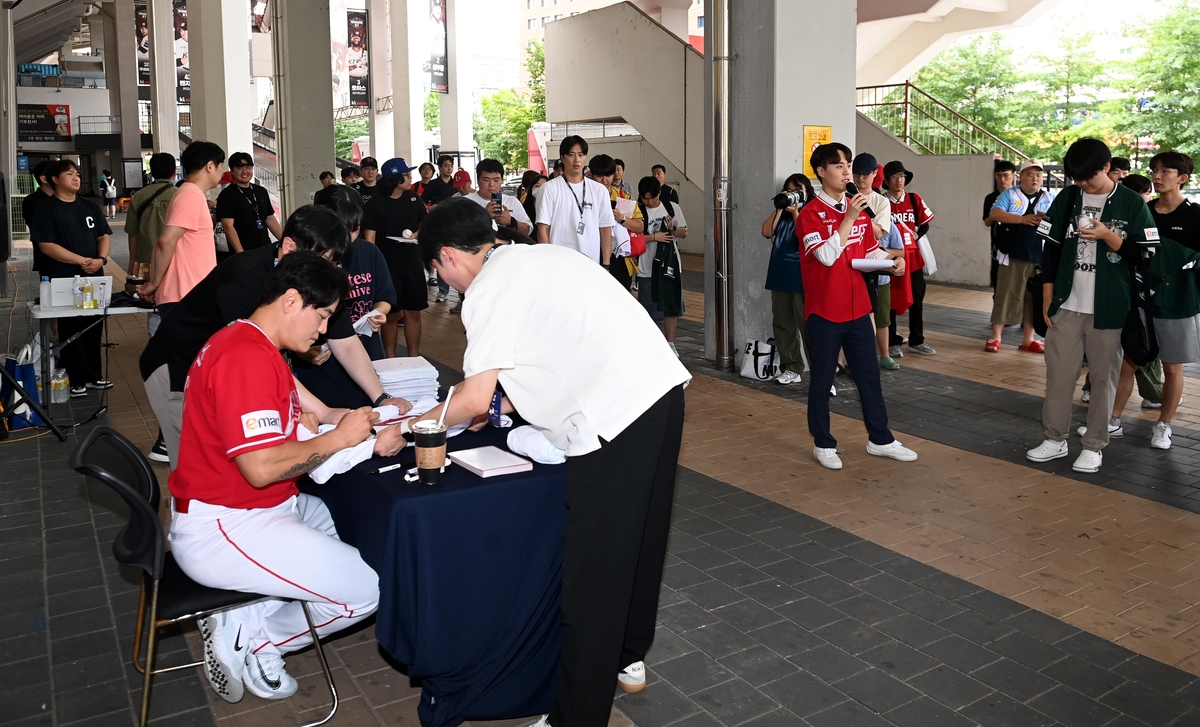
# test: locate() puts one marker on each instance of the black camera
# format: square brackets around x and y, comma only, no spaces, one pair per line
[783,200]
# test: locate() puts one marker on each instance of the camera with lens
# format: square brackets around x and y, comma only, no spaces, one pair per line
[783,200]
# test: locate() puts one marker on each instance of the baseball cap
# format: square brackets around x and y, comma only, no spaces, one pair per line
[864,164]
[461,179]
[368,162]
[394,166]
[1030,164]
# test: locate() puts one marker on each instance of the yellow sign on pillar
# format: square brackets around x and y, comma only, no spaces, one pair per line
[814,136]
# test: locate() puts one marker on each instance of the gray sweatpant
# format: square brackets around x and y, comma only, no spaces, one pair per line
[168,410]
[1072,336]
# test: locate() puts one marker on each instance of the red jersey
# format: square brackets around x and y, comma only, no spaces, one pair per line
[837,293]
[239,397]
[910,213]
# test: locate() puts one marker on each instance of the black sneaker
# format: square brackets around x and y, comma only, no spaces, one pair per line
[78,391]
[158,452]
[101,384]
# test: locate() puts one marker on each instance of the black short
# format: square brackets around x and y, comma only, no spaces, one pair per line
[408,274]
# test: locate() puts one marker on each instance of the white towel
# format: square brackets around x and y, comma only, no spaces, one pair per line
[341,461]
[530,442]
[363,325]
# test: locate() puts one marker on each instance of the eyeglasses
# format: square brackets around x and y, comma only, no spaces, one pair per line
[244,166]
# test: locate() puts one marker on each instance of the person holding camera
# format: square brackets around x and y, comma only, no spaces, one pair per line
[1098,233]
[660,269]
[504,208]
[783,278]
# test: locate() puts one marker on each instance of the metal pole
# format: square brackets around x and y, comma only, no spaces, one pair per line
[907,110]
[721,202]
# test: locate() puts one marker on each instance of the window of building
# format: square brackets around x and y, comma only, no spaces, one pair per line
[545,19]
[574,14]
[700,21]
[558,17]
[529,4]
[529,23]
[545,3]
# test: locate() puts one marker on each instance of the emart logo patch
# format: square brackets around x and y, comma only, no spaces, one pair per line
[265,421]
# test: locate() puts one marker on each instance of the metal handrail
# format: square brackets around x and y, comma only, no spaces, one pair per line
[263,137]
[932,127]
[98,124]
[350,112]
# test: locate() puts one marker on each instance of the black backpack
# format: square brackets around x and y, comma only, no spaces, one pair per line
[646,215]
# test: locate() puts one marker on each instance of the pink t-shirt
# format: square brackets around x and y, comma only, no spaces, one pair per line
[196,252]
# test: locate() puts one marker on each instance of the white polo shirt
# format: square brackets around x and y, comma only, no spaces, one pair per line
[564,339]
[562,206]
[509,202]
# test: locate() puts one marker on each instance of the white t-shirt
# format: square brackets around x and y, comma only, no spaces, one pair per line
[564,338]
[558,206]
[655,222]
[882,208]
[1083,284]
[509,202]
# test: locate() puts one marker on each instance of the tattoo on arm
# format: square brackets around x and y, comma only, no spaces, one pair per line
[301,468]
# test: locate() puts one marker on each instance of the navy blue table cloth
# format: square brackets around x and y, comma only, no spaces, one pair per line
[469,573]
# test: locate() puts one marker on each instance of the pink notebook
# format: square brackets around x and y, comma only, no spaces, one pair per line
[490,461]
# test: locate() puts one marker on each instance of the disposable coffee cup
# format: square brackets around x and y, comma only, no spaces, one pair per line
[430,440]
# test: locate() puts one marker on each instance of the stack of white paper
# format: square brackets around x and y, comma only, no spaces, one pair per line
[407,378]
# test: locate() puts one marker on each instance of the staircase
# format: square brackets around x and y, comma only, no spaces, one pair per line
[928,125]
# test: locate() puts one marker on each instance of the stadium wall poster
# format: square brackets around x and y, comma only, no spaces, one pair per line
[183,65]
[439,72]
[43,122]
[141,24]
[358,64]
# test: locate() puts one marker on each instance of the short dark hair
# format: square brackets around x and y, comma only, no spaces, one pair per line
[658,166]
[492,166]
[1137,183]
[1172,159]
[463,225]
[198,154]
[106,173]
[347,171]
[343,200]
[827,154]
[444,158]
[238,158]
[426,164]
[1086,158]
[619,162]
[319,282]
[162,166]
[603,165]
[320,230]
[39,170]
[649,186]
[324,175]
[801,181]
[57,168]
[558,164]
[569,143]
[1003,165]
[1120,164]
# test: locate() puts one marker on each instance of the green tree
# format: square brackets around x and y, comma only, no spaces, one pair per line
[1164,103]
[1064,96]
[502,129]
[345,131]
[976,78]
[433,110]
[535,65]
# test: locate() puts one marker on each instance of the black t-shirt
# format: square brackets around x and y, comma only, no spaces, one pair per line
[988,201]
[249,209]
[77,226]
[231,291]
[669,194]
[364,191]
[438,191]
[390,217]
[1181,225]
[29,206]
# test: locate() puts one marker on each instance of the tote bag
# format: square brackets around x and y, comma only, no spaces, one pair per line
[760,360]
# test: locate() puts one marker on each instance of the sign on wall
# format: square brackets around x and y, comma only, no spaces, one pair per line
[141,23]
[439,73]
[43,122]
[183,65]
[814,136]
[357,58]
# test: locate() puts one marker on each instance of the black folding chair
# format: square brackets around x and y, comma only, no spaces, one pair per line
[107,456]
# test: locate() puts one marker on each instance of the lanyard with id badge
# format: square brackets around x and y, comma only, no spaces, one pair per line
[250,200]
[584,205]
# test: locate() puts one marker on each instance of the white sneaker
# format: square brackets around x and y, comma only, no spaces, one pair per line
[1085,397]
[224,654]
[1088,461]
[1116,428]
[788,377]
[895,450]
[895,352]
[1146,404]
[441,298]
[828,457]
[632,678]
[1047,451]
[922,348]
[833,391]
[673,349]
[543,722]
[1160,438]
[265,677]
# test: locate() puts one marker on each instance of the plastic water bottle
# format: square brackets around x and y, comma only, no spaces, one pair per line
[44,292]
[77,292]
[89,299]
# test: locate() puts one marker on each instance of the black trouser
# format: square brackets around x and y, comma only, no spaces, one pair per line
[857,339]
[619,499]
[81,358]
[916,314]
[620,271]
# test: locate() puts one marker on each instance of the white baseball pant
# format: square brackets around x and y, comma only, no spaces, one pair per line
[290,551]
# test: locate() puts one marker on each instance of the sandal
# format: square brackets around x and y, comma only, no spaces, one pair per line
[992,346]
[1034,347]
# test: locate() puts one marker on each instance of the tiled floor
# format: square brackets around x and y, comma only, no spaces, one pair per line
[967,588]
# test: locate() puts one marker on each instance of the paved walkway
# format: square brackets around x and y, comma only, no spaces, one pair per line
[968,588]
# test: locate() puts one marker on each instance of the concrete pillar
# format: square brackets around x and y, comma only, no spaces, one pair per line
[163,96]
[223,103]
[304,122]
[8,129]
[379,48]
[125,105]
[457,131]
[410,51]
[767,147]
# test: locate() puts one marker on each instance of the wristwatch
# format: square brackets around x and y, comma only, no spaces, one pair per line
[382,398]
[103,260]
